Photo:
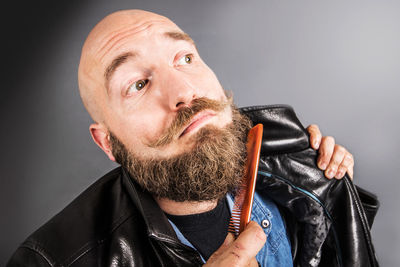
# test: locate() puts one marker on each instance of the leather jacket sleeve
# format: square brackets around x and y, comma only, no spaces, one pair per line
[25,256]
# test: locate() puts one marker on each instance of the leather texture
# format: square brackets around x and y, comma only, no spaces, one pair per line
[332,218]
[115,223]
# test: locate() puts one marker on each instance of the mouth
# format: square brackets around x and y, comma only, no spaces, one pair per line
[197,122]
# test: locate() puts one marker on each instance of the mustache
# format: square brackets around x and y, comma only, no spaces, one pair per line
[184,116]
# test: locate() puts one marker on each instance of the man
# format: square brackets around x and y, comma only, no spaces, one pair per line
[161,113]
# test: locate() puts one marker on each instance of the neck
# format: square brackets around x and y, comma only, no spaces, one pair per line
[186,207]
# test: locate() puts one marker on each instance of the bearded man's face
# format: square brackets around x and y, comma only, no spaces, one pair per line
[138,73]
[211,169]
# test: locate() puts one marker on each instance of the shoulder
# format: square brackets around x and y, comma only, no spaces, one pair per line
[81,226]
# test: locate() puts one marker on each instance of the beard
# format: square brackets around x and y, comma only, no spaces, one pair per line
[214,167]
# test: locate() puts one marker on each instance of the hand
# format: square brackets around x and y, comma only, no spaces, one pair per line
[334,159]
[239,252]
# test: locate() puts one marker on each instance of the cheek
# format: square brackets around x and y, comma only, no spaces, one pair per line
[136,123]
[143,129]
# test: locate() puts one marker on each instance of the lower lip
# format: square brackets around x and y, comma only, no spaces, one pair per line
[197,123]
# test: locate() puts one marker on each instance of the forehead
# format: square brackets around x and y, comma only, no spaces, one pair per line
[130,36]
[131,40]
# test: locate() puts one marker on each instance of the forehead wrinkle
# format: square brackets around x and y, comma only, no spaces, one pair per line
[120,34]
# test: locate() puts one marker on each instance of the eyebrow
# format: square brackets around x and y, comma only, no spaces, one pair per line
[179,36]
[118,61]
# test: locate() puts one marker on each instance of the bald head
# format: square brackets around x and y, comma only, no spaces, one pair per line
[137,71]
[106,45]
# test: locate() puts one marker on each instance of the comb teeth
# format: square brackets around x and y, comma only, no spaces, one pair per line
[234,223]
[236,214]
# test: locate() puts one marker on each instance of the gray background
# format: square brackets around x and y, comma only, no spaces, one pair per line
[336,62]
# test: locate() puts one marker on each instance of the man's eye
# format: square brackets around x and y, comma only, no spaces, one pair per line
[186,59]
[137,86]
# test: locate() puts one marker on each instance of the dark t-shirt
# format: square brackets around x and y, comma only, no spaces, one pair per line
[206,231]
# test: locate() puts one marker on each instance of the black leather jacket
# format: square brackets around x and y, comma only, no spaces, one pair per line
[115,223]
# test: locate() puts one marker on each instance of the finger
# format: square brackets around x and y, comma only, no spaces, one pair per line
[315,135]
[253,263]
[228,241]
[325,151]
[347,165]
[246,246]
[239,252]
[350,171]
[337,158]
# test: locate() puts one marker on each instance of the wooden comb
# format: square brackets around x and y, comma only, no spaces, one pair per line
[243,203]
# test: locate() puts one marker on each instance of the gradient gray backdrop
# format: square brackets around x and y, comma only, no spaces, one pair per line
[336,62]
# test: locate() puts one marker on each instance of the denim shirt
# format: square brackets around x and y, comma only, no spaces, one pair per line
[276,251]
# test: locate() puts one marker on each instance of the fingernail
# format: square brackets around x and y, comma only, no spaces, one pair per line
[331,173]
[261,235]
[340,174]
[315,143]
[322,165]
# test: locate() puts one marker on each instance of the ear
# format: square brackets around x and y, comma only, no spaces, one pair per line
[101,137]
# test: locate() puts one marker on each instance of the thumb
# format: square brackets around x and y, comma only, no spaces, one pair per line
[240,251]
[228,241]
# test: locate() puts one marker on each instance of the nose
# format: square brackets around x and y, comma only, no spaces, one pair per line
[177,89]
